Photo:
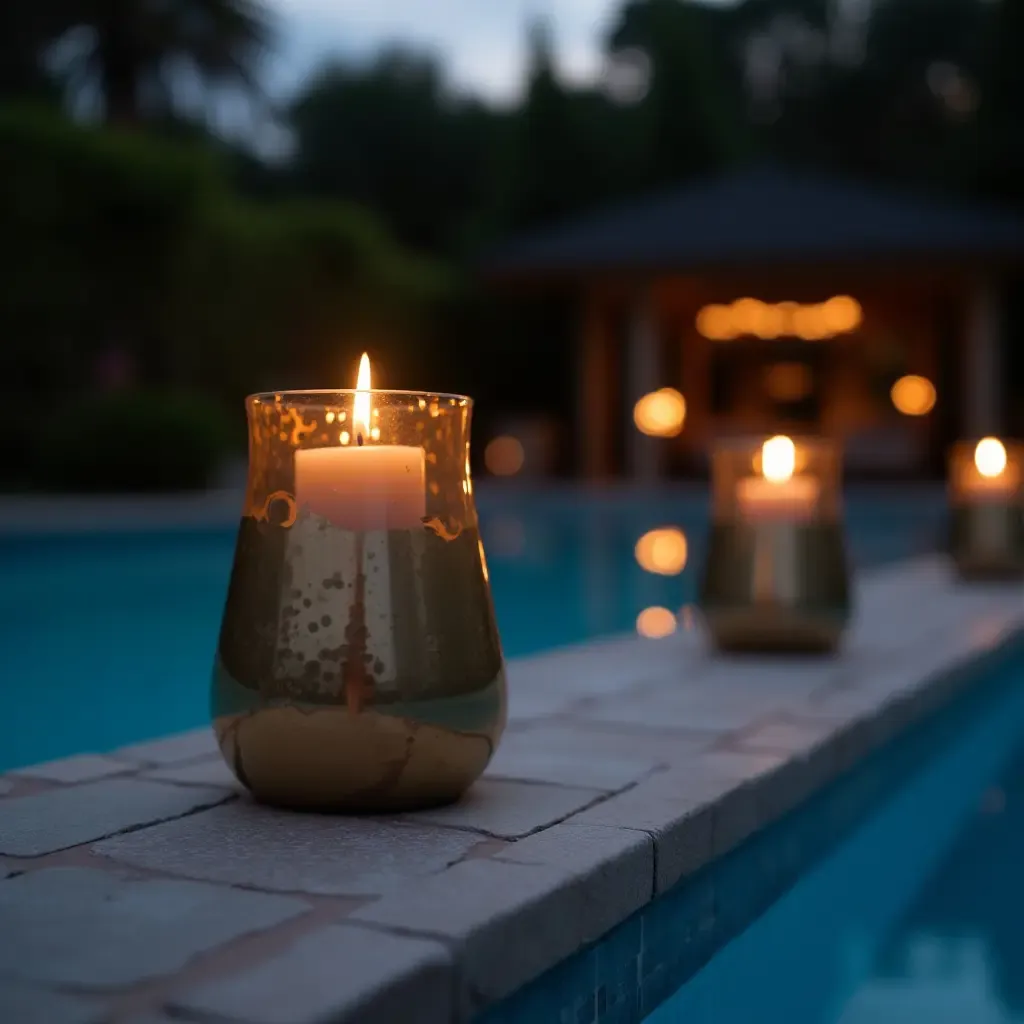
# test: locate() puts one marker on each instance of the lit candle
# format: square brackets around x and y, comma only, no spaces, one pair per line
[992,479]
[777,494]
[362,485]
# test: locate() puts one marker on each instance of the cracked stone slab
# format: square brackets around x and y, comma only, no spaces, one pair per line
[98,930]
[341,974]
[26,1004]
[185,746]
[509,810]
[243,843]
[80,768]
[61,818]
[211,772]
[508,921]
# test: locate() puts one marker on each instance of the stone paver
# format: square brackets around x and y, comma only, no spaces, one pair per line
[99,930]
[210,772]
[186,746]
[509,810]
[61,818]
[80,768]
[26,1004]
[526,759]
[245,844]
[341,974]
[509,921]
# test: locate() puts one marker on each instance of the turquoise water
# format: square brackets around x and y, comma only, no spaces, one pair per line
[916,918]
[108,639]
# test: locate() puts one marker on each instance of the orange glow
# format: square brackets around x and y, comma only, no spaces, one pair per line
[842,314]
[361,405]
[838,315]
[504,456]
[715,322]
[990,457]
[663,551]
[778,459]
[660,413]
[788,382]
[655,623]
[913,395]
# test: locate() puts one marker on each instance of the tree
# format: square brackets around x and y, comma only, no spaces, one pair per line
[135,51]
[693,116]
[391,134]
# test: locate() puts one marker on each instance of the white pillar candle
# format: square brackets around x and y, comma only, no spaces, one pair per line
[777,494]
[363,485]
[992,479]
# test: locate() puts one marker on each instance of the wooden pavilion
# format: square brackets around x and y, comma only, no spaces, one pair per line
[779,301]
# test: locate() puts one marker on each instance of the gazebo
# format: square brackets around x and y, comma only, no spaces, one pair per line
[775,300]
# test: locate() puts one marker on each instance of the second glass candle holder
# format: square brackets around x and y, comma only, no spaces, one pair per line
[775,576]
[986,497]
[359,666]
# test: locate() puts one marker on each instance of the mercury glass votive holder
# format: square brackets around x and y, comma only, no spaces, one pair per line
[359,666]
[986,498]
[775,575]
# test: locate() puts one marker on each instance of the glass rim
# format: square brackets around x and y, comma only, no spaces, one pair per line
[319,396]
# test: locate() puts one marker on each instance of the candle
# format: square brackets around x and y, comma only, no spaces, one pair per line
[991,478]
[363,485]
[776,494]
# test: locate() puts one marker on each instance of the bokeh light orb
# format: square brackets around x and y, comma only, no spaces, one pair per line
[715,323]
[913,395]
[655,623]
[504,456]
[660,413]
[990,457]
[663,551]
[842,314]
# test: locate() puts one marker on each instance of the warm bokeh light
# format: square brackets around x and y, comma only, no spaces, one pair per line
[990,457]
[663,551]
[715,323]
[913,395]
[660,413]
[655,623]
[838,315]
[842,314]
[504,456]
[361,405]
[778,459]
[789,382]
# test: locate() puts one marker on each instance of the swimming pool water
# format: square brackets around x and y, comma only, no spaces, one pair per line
[108,639]
[916,918]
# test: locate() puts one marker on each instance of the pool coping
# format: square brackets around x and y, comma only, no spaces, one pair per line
[629,765]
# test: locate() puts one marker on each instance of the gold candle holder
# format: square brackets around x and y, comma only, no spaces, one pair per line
[986,494]
[359,666]
[775,576]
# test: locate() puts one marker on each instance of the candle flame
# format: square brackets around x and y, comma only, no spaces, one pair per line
[361,406]
[778,459]
[990,457]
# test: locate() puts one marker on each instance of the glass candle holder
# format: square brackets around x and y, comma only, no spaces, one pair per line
[986,496]
[775,575]
[359,666]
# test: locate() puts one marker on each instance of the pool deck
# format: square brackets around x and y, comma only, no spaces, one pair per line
[140,886]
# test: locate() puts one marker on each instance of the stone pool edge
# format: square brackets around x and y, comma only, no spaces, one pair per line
[705,775]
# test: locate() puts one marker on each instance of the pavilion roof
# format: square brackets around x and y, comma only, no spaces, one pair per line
[763,216]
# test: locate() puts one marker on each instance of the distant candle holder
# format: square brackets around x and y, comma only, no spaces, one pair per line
[359,666]
[775,575]
[986,496]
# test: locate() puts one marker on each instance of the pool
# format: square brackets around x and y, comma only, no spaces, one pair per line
[107,639]
[915,918]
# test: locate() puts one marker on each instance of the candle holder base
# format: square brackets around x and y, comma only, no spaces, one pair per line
[776,587]
[987,541]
